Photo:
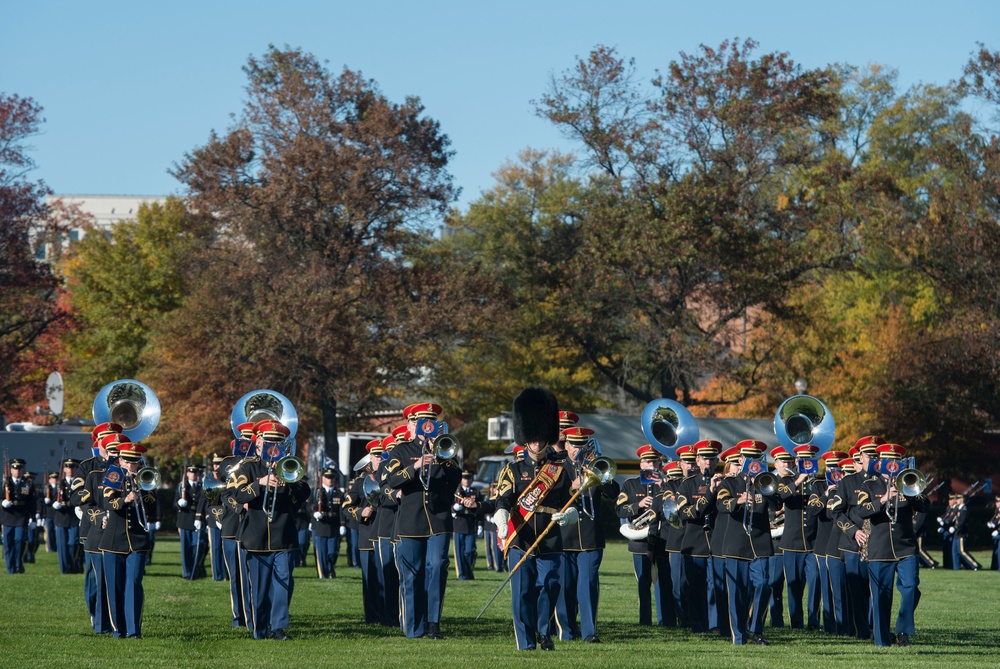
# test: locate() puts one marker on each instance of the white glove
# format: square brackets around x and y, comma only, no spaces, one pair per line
[79,513]
[343,531]
[317,515]
[218,525]
[996,533]
[501,517]
[456,507]
[6,504]
[48,500]
[31,525]
[57,505]
[940,521]
[156,525]
[197,525]
[38,517]
[569,517]
[951,530]
[182,503]
[991,524]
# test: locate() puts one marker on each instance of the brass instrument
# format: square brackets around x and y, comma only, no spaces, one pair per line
[803,419]
[908,483]
[668,425]
[370,489]
[130,403]
[672,511]
[213,489]
[288,469]
[146,479]
[444,447]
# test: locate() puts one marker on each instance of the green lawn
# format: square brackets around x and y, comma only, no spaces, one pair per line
[44,624]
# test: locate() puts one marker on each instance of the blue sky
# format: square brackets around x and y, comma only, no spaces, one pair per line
[128,88]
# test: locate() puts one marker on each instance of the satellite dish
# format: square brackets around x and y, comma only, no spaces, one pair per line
[54,393]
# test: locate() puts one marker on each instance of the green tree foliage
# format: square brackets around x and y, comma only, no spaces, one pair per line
[701,213]
[120,285]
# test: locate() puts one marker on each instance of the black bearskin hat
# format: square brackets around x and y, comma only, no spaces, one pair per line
[536,416]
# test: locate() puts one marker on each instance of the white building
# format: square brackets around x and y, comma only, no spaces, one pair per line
[105,210]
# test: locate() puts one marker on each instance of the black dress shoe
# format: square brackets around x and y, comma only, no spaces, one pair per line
[592,639]
[759,640]
[902,639]
[279,635]
[434,631]
[547,643]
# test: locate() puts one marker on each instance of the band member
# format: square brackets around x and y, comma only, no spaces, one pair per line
[697,499]
[946,528]
[65,523]
[892,548]
[268,533]
[835,560]
[124,542]
[17,511]
[465,511]
[832,606]
[583,545]
[718,545]
[959,556]
[423,522]
[801,500]
[993,524]
[214,515]
[87,495]
[363,509]
[636,498]
[494,554]
[531,494]
[672,535]
[47,516]
[232,518]
[385,550]
[843,506]
[747,546]
[191,514]
[327,502]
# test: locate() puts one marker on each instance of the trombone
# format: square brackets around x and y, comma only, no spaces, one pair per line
[288,469]
[908,483]
[147,479]
[444,447]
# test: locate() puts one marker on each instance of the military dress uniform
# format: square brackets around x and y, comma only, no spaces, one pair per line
[232,553]
[124,543]
[535,586]
[423,527]
[50,491]
[17,510]
[66,525]
[802,505]
[214,513]
[192,512]
[747,547]
[385,548]
[920,529]
[960,557]
[671,537]
[892,549]
[326,506]
[270,544]
[364,511]
[698,511]
[833,617]
[843,506]
[466,521]
[583,552]
[645,557]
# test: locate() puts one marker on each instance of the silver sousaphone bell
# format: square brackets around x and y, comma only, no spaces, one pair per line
[258,405]
[803,419]
[130,403]
[668,425]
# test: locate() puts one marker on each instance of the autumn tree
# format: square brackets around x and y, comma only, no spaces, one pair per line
[316,192]
[701,213]
[28,286]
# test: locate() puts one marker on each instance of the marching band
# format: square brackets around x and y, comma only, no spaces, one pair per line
[717,539]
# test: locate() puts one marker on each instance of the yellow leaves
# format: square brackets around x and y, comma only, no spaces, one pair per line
[782,201]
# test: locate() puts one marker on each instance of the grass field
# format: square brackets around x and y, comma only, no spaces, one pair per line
[43,623]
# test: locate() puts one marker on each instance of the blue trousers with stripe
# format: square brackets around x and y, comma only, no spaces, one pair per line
[123,574]
[271,587]
[231,557]
[534,591]
[906,573]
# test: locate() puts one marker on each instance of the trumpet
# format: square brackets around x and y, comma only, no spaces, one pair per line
[444,447]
